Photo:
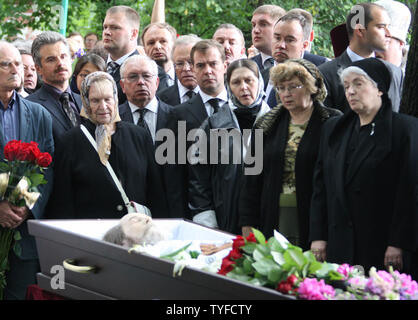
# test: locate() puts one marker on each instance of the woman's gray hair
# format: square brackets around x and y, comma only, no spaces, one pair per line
[353,69]
[45,38]
[136,58]
[98,76]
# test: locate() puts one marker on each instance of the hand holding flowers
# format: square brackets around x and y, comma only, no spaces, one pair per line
[21,174]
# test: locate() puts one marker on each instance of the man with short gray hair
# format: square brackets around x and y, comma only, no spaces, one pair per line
[52,58]
[185,86]
[22,120]
[139,81]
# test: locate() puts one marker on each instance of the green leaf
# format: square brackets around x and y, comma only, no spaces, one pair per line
[326,269]
[278,257]
[247,266]
[295,256]
[258,255]
[264,266]
[194,254]
[257,281]
[36,179]
[274,275]
[274,245]
[249,247]
[4,167]
[241,277]
[17,249]
[173,254]
[259,236]
[17,236]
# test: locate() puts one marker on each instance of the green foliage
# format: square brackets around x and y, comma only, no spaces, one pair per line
[200,17]
[268,263]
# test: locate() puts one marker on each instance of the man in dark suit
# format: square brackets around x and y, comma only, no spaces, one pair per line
[363,42]
[27,121]
[120,36]
[263,20]
[158,39]
[140,82]
[291,35]
[209,65]
[52,58]
[185,86]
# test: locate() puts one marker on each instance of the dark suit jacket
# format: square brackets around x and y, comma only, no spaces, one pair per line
[60,121]
[163,114]
[170,95]
[315,59]
[35,125]
[260,194]
[257,59]
[177,206]
[192,113]
[265,73]
[336,95]
[83,187]
[164,80]
[364,207]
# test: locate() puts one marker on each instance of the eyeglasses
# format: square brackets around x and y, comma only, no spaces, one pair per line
[181,64]
[291,89]
[134,77]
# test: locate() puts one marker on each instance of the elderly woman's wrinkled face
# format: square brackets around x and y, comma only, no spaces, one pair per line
[244,85]
[294,95]
[362,95]
[102,102]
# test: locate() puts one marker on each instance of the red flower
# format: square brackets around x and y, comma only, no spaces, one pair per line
[287,286]
[235,254]
[238,242]
[292,279]
[11,150]
[251,238]
[44,159]
[23,152]
[227,266]
[284,287]
[34,151]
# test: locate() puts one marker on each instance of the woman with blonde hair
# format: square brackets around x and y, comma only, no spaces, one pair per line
[279,197]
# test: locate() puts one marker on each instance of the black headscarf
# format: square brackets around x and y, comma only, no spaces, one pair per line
[377,71]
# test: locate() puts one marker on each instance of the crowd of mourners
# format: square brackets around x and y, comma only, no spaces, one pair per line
[271,137]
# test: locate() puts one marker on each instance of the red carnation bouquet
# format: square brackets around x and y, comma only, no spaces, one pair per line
[20,175]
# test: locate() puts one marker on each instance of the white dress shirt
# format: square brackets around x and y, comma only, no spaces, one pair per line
[120,60]
[150,116]
[183,90]
[223,98]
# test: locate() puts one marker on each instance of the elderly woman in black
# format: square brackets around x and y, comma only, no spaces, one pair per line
[214,188]
[279,197]
[365,185]
[83,186]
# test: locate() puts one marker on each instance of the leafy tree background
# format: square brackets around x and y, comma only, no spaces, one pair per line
[200,17]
